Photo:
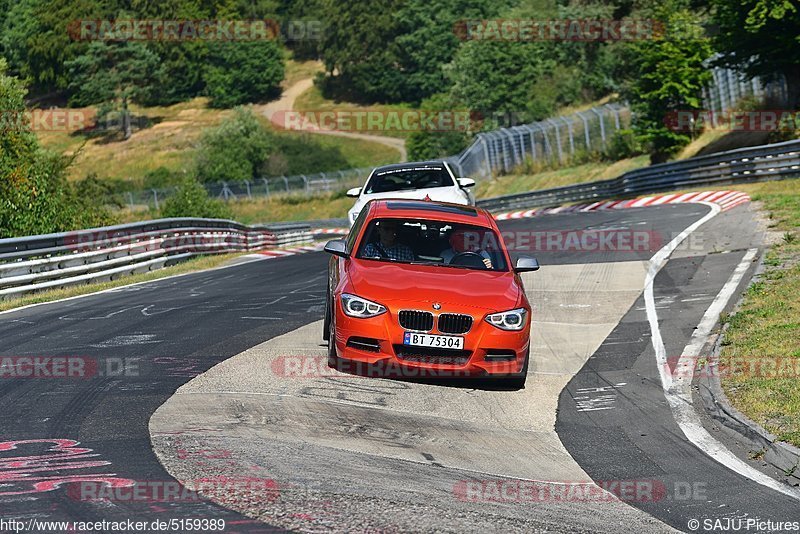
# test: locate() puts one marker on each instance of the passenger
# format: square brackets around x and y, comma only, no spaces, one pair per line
[388,246]
[460,242]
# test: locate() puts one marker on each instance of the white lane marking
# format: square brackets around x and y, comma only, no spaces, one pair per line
[678,393]
[124,341]
[656,263]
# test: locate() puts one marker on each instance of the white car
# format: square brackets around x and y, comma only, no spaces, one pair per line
[415,180]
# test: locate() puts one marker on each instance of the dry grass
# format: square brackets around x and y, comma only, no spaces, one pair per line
[312,100]
[300,70]
[171,139]
[587,172]
[766,329]
[169,142]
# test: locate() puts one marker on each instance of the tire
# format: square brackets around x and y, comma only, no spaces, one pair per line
[333,357]
[326,324]
[517,381]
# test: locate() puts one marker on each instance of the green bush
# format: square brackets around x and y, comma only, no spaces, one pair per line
[35,197]
[192,200]
[242,72]
[622,145]
[234,151]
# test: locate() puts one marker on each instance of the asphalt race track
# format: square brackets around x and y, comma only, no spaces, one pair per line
[135,346]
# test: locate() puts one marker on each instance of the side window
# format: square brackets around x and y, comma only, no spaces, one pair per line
[356,229]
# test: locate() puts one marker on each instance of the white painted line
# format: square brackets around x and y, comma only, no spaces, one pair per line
[656,263]
[678,392]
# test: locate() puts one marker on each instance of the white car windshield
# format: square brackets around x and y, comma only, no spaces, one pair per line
[408,178]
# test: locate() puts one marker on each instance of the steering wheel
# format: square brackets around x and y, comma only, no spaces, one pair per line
[468,259]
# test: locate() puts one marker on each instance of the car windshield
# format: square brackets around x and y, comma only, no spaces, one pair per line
[408,178]
[423,241]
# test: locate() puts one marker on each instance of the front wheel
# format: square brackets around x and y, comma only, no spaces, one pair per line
[333,357]
[326,325]
[517,381]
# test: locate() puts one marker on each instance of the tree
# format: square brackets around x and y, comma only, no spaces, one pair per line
[35,37]
[242,72]
[496,76]
[761,37]
[667,75]
[35,197]
[234,151]
[426,144]
[192,200]
[114,75]
[393,50]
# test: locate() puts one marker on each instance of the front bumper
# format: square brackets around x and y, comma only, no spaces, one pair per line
[376,344]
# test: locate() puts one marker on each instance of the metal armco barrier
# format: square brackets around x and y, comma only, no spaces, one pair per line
[34,263]
[743,165]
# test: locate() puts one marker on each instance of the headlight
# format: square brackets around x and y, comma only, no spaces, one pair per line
[357,307]
[508,320]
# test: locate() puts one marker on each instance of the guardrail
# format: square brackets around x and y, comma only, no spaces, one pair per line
[34,263]
[743,165]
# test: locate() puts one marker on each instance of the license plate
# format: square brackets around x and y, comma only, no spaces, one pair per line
[434,341]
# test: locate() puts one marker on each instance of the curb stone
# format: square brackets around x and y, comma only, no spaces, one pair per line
[760,443]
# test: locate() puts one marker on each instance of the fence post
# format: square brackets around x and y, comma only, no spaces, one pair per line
[585,130]
[571,136]
[286,181]
[155,198]
[247,184]
[531,132]
[602,125]
[305,181]
[512,147]
[558,139]
[615,111]
[486,155]
[130,199]
[548,148]
[266,185]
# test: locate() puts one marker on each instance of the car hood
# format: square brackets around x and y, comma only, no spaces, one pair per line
[403,284]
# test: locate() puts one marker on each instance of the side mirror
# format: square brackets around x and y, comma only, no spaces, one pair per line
[337,247]
[525,264]
[354,192]
[466,182]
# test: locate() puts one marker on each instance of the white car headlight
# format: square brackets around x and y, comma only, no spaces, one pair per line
[508,320]
[357,307]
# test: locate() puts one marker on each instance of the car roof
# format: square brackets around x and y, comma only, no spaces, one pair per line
[402,208]
[409,165]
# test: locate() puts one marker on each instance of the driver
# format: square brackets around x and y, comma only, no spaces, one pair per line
[460,242]
[388,246]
